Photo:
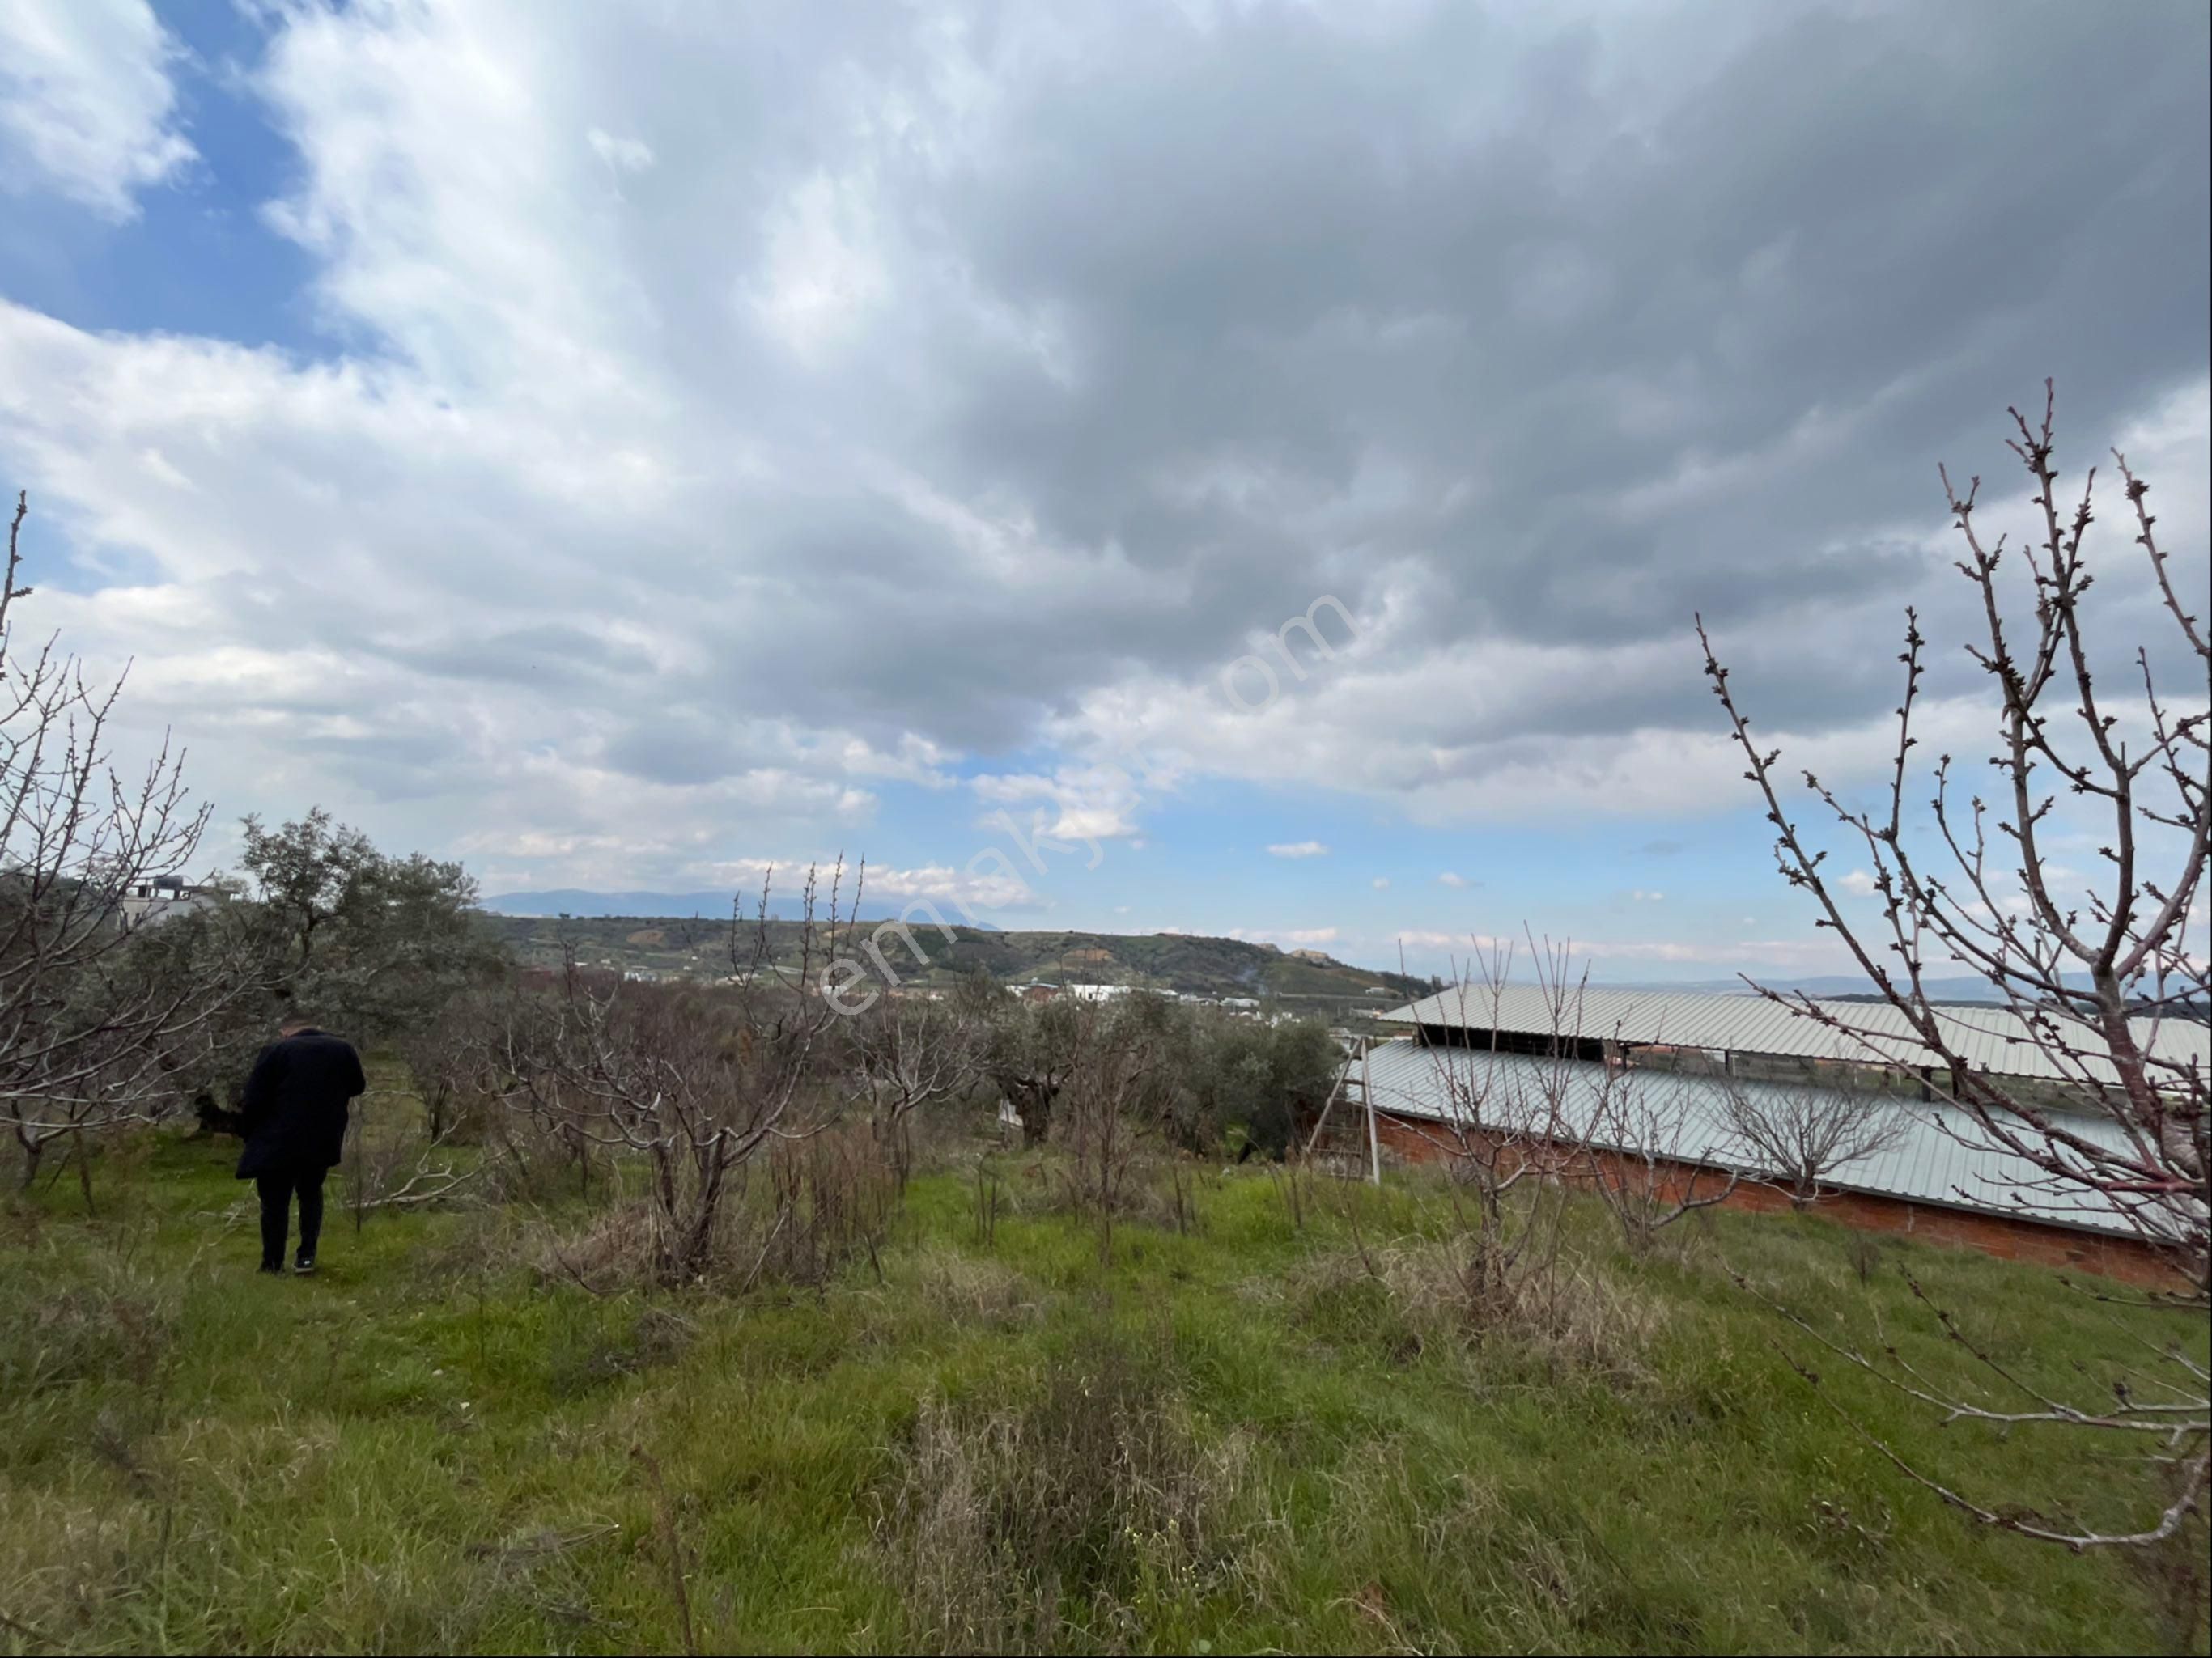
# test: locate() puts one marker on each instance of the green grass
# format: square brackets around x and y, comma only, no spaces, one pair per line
[1240,1439]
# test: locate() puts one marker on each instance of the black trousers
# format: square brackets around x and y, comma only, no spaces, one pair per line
[276,1190]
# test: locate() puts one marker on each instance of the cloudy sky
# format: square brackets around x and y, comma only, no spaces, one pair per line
[621,446]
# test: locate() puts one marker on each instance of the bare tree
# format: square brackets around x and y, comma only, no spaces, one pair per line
[387,1163]
[910,1051]
[694,1085]
[1644,1148]
[1808,1135]
[2090,985]
[92,1015]
[1634,1139]
[1112,1089]
[1503,1134]
[446,1052]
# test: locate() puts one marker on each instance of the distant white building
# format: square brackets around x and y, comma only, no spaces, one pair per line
[163,898]
[1098,993]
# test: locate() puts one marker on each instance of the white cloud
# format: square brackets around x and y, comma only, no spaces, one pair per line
[86,101]
[623,155]
[1298,849]
[914,760]
[1382,883]
[1643,897]
[1427,939]
[1859,884]
[824,273]
[1451,880]
[955,894]
[1087,803]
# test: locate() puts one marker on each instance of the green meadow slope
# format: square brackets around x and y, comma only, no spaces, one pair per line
[1254,1429]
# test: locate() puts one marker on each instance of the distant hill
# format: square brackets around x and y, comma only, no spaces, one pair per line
[651,906]
[574,901]
[697,946]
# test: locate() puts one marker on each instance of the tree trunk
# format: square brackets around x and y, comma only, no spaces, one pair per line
[1036,1107]
[84,1171]
[214,1120]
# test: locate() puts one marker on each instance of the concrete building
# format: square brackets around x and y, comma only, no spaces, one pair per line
[163,898]
[1099,992]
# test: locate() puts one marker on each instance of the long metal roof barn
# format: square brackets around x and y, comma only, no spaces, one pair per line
[1939,1155]
[1991,1039]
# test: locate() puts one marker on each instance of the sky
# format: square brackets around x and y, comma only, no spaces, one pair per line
[1242,469]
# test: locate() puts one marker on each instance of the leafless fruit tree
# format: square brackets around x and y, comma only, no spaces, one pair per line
[1807,1135]
[1113,1088]
[1644,1148]
[1504,1138]
[1557,1113]
[91,1015]
[388,1164]
[909,1052]
[447,1053]
[2097,987]
[695,1086]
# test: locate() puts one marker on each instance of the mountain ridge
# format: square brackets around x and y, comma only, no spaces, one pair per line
[705,906]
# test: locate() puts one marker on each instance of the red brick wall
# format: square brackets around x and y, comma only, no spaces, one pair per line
[2125,1259]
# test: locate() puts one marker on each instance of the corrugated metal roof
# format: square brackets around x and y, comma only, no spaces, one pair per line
[1992,1039]
[1939,1155]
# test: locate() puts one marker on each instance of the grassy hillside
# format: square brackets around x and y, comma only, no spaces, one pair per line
[1246,1434]
[1215,967]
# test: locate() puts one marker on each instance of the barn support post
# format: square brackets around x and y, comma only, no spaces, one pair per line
[1374,1141]
[1321,1121]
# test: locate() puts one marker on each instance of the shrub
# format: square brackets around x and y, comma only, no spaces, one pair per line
[1016,1527]
[1574,1316]
[796,1216]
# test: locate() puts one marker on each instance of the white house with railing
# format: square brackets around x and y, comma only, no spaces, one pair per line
[164,897]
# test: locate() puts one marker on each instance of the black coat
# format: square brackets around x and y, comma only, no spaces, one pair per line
[294,1110]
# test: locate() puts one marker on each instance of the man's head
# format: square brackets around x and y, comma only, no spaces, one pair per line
[294,1024]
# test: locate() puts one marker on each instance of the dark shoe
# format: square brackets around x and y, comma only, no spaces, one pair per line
[270,1267]
[305,1267]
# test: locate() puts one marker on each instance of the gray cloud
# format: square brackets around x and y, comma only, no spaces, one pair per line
[944,372]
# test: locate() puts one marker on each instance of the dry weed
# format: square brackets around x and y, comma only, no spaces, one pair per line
[1098,1495]
[1570,1314]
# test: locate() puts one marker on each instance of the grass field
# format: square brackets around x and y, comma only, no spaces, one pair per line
[1254,1435]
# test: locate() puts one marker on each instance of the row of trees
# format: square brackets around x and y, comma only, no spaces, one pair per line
[103,1024]
[695,1082]
[323,923]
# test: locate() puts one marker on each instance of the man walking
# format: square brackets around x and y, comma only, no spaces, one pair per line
[295,1122]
